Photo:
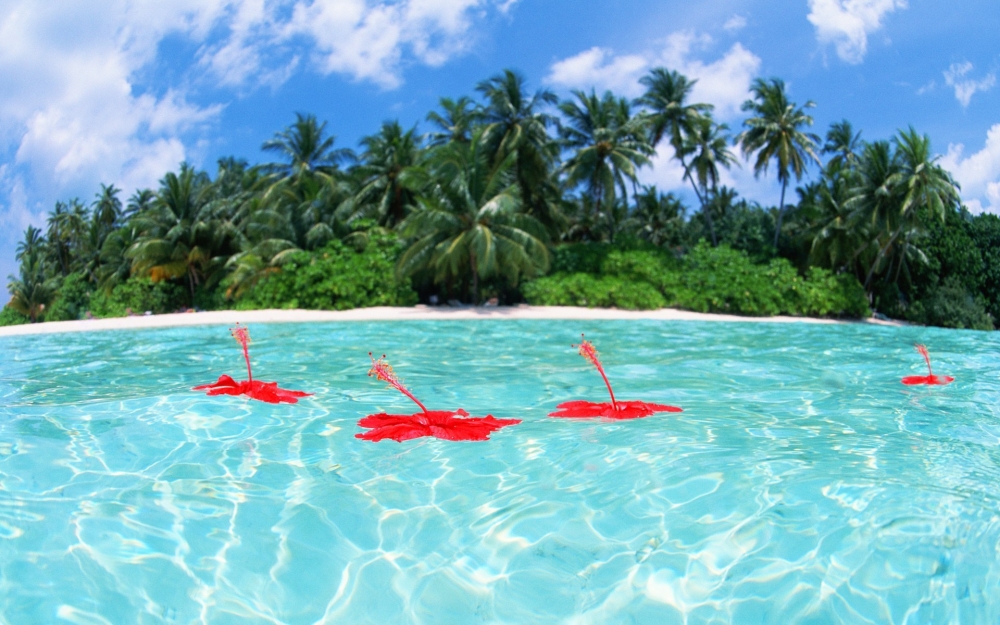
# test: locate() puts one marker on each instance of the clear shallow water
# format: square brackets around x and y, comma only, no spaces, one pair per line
[802,484]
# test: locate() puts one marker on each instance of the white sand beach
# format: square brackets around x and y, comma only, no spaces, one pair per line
[387,313]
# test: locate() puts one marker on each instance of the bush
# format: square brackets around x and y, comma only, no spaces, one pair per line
[72,299]
[10,317]
[950,305]
[139,295]
[584,289]
[720,280]
[335,277]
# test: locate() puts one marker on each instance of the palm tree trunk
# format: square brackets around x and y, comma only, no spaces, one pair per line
[704,208]
[781,213]
[191,285]
[475,279]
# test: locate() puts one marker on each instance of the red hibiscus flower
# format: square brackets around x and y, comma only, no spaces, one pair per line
[450,425]
[254,389]
[580,409]
[930,378]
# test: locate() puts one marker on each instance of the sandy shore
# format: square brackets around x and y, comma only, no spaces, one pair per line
[386,313]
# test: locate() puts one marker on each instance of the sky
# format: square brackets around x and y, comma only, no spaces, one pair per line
[122,91]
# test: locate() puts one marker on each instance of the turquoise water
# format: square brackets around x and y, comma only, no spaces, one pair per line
[802,484]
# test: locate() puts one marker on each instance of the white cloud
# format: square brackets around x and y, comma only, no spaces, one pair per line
[736,22]
[847,23]
[978,173]
[600,68]
[724,82]
[363,39]
[965,88]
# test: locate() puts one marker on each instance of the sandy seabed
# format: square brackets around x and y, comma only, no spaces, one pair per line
[390,313]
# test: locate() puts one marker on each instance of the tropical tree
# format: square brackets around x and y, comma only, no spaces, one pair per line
[516,125]
[305,147]
[775,131]
[707,146]
[658,217]
[469,225]
[385,174]
[33,290]
[844,144]
[455,121]
[609,146]
[66,225]
[669,114]
[178,237]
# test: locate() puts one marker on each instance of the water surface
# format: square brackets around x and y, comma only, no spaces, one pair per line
[802,484]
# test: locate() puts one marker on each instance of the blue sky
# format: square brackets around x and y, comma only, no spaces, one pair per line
[121,91]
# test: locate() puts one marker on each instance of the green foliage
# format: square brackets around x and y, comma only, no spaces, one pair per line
[985,232]
[138,295]
[72,299]
[583,289]
[709,279]
[951,306]
[336,277]
[10,317]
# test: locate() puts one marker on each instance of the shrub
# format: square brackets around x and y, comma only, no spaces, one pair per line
[950,305]
[72,299]
[584,289]
[335,277]
[10,317]
[139,295]
[707,280]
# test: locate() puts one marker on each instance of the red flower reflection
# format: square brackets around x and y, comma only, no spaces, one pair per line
[444,424]
[930,378]
[254,389]
[580,409]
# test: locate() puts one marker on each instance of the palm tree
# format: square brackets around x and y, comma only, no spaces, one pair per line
[469,224]
[670,115]
[33,291]
[32,245]
[896,187]
[66,226]
[178,237]
[140,201]
[515,124]
[835,232]
[455,124]
[385,172]
[609,142]
[927,184]
[107,209]
[305,147]
[843,143]
[775,132]
[659,217]
[707,144]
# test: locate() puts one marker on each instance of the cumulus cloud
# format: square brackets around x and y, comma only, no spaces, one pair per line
[965,88]
[978,173]
[600,68]
[362,39]
[723,82]
[846,24]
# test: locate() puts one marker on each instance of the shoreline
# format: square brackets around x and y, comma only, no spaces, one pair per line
[389,313]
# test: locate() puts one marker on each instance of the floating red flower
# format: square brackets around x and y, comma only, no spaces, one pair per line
[450,425]
[254,389]
[580,409]
[930,378]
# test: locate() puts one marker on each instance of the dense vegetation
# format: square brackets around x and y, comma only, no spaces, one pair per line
[519,196]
